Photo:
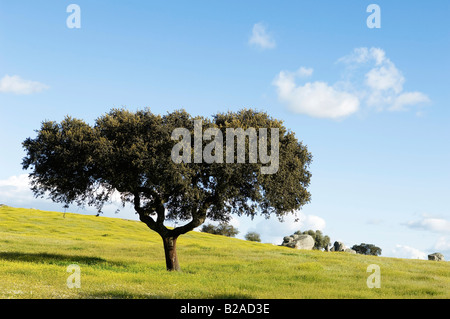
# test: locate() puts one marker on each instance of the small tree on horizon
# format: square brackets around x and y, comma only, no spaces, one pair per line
[221,229]
[129,153]
[253,236]
[367,249]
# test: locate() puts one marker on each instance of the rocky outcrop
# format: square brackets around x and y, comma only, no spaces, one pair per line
[436,256]
[338,246]
[298,241]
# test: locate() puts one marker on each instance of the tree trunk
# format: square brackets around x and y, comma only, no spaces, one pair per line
[170,250]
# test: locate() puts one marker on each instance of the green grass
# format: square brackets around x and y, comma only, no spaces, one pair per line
[124,259]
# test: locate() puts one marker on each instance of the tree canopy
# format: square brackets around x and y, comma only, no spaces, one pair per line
[221,229]
[367,249]
[253,236]
[73,162]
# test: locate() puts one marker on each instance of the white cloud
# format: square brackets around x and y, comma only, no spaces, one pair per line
[385,77]
[383,74]
[408,98]
[15,84]
[313,222]
[304,72]
[438,225]
[442,244]
[261,38]
[403,251]
[370,80]
[316,99]
[383,82]
[16,191]
[364,55]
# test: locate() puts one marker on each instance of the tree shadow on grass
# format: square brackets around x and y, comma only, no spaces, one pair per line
[114,294]
[46,258]
[232,296]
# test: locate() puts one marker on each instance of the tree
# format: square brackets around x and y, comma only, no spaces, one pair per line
[132,153]
[222,229]
[209,228]
[253,236]
[320,241]
[367,249]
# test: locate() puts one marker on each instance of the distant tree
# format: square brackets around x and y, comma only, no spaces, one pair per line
[367,249]
[130,154]
[227,230]
[253,236]
[320,241]
[222,229]
[208,228]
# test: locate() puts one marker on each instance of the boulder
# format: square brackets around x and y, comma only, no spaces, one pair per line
[349,250]
[299,242]
[436,256]
[339,246]
[304,242]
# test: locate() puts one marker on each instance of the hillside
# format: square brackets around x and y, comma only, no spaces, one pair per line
[124,259]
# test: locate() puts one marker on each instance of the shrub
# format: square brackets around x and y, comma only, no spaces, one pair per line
[253,236]
[367,249]
[222,229]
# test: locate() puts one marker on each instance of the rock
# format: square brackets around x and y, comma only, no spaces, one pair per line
[349,250]
[339,246]
[299,242]
[436,256]
[304,242]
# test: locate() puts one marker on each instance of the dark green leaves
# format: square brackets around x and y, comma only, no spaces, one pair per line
[130,152]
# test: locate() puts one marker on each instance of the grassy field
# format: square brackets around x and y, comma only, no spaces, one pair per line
[124,259]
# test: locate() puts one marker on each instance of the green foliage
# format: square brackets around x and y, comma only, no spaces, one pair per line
[253,236]
[367,249]
[130,153]
[320,241]
[221,229]
[209,228]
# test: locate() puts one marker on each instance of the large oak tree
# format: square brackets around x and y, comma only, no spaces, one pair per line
[73,162]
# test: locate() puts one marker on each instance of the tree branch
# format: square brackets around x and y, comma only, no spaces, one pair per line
[145,217]
[198,218]
[158,206]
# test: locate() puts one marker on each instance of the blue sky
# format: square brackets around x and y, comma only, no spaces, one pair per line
[371,104]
